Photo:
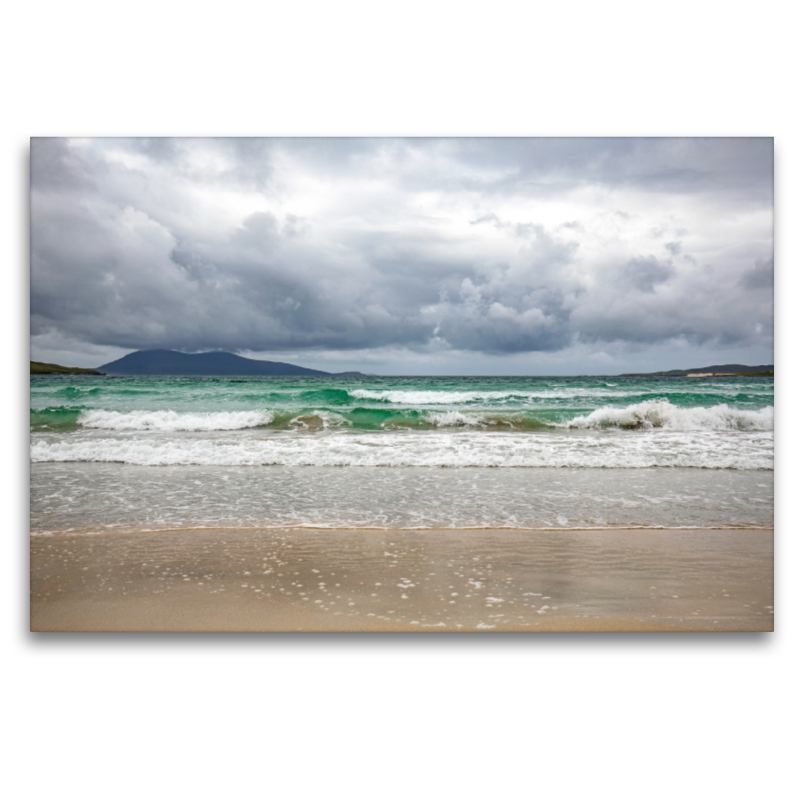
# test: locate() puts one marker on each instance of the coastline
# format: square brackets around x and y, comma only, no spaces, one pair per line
[310,579]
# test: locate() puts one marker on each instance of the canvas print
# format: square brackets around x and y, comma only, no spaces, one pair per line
[475,385]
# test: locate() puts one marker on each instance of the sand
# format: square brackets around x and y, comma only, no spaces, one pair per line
[403,580]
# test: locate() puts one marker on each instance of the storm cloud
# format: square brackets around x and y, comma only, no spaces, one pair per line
[470,246]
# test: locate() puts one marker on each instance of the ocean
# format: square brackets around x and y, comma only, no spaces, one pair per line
[550,453]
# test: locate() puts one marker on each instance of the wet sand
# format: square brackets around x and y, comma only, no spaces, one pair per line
[404,580]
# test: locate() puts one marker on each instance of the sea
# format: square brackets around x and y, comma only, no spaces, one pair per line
[541,453]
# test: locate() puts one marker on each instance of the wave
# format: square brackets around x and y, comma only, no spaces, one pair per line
[710,449]
[418,398]
[55,417]
[519,421]
[644,416]
[317,420]
[608,392]
[173,421]
[324,397]
[451,419]
[76,392]
[662,414]
[429,397]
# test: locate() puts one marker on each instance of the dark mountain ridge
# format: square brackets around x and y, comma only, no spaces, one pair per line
[171,362]
[717,369]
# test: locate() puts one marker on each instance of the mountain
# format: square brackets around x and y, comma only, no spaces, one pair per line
[170,362]
[717,369]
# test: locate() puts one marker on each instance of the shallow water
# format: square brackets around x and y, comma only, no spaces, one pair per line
[95,497]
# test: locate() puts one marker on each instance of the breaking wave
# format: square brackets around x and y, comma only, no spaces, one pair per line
[662,414]
[423,398]
[429,398]
[174,421]
[714,450]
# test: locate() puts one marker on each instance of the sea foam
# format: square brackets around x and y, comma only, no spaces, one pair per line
[447,419]
[173,421]
[424,398]
[428,397]
[663,414]
[708,449]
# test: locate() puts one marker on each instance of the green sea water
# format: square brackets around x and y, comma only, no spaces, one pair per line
[351,451]
[384,404]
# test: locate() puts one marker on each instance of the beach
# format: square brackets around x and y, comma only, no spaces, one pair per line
[401,504]
[404,580]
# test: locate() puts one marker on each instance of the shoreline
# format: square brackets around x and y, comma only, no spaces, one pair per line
[412,580]
[93,531]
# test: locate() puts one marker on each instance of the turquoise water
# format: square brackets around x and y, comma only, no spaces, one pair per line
[384,404]
[688,442]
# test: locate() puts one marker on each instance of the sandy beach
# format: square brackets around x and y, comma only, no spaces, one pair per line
[404,580]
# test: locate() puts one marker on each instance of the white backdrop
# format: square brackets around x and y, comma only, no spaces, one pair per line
[389,716]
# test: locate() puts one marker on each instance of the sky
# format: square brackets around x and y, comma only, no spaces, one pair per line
[467,256]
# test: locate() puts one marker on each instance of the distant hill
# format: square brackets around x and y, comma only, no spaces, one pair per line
[40,368]
[171,362]
[717,369]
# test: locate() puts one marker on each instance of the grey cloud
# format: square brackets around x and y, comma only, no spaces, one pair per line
[493,218]
[202,244]
[761,276]
[55,167]
[696,309]
[646,273]
[738,167]
[492,318]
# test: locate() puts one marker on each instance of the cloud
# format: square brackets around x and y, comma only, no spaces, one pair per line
[761,276]
[646,273]
[492,246]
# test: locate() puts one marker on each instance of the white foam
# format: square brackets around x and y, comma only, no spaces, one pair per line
[446,397]
[449,419]
[173,421]
[425,398]
[464,448]
[662,414]
[422,398]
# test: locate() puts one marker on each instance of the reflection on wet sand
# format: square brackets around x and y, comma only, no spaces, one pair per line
[400,580]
